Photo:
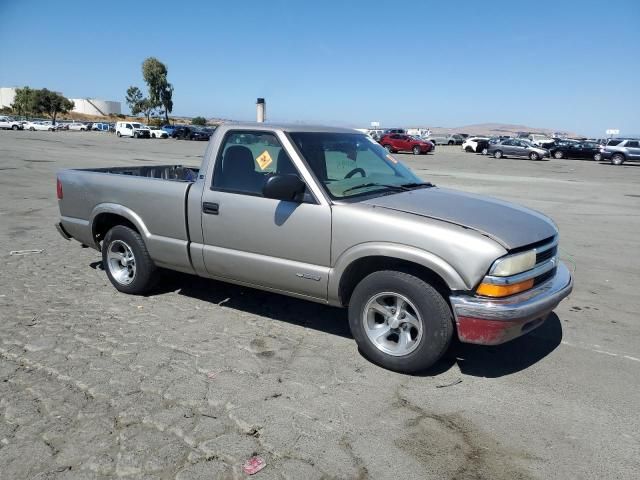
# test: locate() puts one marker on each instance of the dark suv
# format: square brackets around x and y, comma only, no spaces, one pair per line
[397,142]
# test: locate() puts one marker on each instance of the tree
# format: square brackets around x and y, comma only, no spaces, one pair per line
[51,103]
[23,103]
[138,103]
[154,73]
[198,121]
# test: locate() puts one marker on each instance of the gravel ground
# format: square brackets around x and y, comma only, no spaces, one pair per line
[191,381]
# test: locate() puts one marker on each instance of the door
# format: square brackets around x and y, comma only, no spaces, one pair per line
[507,147]
[633,148]
[260,241]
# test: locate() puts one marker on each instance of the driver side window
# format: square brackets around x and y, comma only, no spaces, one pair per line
[247,159]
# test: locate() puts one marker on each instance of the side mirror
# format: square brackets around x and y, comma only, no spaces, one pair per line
[283,187]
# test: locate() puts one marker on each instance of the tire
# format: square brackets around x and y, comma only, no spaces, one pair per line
[451,143]
[139,274]
[617,159]
[118,134]
[416,150]
[558,154]
[485,151]
[597,157]
[82,129]
[427,342]
[388,148]
[135,135]
[31,129]
[14,127]
[497,154]
[534,156]
[468,149]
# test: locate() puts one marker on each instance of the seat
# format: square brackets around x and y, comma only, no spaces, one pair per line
[239,172]
[285,165]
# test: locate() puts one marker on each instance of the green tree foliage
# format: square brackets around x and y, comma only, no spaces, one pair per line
[198,121]
[50,103]
[134,99]
[23,103]
[154,73]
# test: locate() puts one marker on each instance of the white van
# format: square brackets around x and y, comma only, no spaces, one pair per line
[132,129]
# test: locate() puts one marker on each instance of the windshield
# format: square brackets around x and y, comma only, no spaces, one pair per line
[137,125]
[351,164]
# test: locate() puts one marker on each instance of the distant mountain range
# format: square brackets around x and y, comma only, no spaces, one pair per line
[496,129]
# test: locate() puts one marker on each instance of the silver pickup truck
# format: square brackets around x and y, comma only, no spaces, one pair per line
[328,215]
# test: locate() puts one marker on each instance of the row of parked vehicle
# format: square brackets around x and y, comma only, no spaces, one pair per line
[179,132]
[616,150]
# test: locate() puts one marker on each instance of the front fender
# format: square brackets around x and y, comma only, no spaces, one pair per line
[393,250]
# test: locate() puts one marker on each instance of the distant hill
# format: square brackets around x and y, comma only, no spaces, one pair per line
[495,129]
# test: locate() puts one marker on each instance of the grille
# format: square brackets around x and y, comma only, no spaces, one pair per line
[544,277]
[546,255]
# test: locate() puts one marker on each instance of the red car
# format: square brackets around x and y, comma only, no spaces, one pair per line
[397,142]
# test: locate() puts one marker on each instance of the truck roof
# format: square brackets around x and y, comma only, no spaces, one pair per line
[287,127]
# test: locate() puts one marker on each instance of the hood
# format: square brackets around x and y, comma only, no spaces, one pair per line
[510,225]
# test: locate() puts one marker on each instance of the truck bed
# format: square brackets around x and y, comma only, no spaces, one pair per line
[178,173]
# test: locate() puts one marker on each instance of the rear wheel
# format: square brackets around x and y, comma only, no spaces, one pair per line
[497,154]
[416,150]
[534,156]
[388,148]
[118,134]
[399,321]
[14,127]
[597,157]
[451,142]
[617,159]
[558,154]
[485,150]
[127,261]
[468,149]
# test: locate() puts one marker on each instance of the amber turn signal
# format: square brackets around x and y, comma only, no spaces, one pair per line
[490,290]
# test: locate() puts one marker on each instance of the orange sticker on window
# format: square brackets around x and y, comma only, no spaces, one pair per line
[392,159]
[264,160]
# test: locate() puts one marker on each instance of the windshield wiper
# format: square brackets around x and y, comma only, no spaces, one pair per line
[399,188]
[417,184]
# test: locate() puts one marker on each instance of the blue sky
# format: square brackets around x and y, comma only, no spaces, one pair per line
[565,65]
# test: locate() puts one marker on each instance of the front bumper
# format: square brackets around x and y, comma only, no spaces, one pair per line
[491,321]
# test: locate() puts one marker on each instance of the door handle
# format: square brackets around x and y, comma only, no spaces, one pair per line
[210,208]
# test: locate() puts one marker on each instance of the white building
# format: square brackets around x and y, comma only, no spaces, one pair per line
[7,94]
[88,106]
[94,106]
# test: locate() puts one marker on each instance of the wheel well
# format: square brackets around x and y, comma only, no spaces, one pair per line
[362,267]
[106,221]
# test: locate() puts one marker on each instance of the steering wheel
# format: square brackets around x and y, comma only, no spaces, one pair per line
[354,171]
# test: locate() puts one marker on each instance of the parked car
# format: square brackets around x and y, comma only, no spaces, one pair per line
[394,130]
[187,132]
[397,142]
[576,150]
[327,216]
[9,123]
[132,129]
[100,127]
[40,125]
[471,144]
[513,147]
[78,126]
[445,139]
[621,151]
[540,140]
[62,126]
[482,146]
[169,129]
[157,132]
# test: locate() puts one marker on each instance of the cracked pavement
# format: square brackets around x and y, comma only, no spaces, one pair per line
[191,381]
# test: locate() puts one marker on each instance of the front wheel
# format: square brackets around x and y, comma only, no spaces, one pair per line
[497,154]
[534,156]
[451,143]
[558,154]
[597,157]
[485,151]
[118,134]
[399,321]
[127,262]
[14,127]
[416,150]
[388,148]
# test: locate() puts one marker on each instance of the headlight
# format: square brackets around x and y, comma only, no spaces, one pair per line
[513,264]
